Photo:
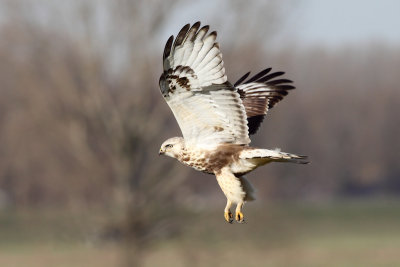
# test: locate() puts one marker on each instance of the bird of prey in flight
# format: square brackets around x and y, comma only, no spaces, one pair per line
[217,117]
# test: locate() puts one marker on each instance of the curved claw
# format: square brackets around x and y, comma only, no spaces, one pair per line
[228,216]
[227,212]
[239,217]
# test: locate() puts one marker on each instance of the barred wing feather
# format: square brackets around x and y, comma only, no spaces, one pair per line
[206,106]
[260,93]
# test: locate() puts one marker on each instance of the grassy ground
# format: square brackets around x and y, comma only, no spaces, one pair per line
[54,238]
[345,233]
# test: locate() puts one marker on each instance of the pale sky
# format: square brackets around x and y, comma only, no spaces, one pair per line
[309,22]
[351,21]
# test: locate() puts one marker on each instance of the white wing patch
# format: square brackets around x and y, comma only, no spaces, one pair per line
[208,109]
[209,118]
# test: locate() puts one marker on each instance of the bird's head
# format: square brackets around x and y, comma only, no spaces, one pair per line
[172,147]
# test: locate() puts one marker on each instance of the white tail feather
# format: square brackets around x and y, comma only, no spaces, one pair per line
[265,156]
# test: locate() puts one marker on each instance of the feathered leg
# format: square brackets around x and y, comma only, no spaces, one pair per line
[237,190]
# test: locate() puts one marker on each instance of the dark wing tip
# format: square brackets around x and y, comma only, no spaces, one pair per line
[272,91]
[271,76]
[254,123]
[196,24]
[285,87]
[181,35]
[168,46]
[241,79]
[279,81]
[205,29]
[213,33]
[259,75]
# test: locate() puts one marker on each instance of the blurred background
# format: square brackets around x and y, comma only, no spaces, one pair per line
[82,120]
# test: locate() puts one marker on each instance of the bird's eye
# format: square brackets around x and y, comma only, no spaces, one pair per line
[169,146]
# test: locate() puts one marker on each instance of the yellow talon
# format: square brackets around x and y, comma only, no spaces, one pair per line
[239,217]
[228,216]
[227,212]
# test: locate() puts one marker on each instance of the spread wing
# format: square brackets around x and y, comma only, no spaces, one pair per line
[260,93]
[206,106]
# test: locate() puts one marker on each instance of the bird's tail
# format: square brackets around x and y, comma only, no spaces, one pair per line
[264,156]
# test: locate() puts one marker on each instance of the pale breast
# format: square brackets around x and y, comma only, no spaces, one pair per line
[198,160]
[213,160]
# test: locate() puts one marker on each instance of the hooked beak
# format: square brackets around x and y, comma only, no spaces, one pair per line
[160,152]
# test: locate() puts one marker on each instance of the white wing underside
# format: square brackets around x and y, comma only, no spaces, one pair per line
[209,119]
[207,108]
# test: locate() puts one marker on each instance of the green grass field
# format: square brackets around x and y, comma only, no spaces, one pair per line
[343,233]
